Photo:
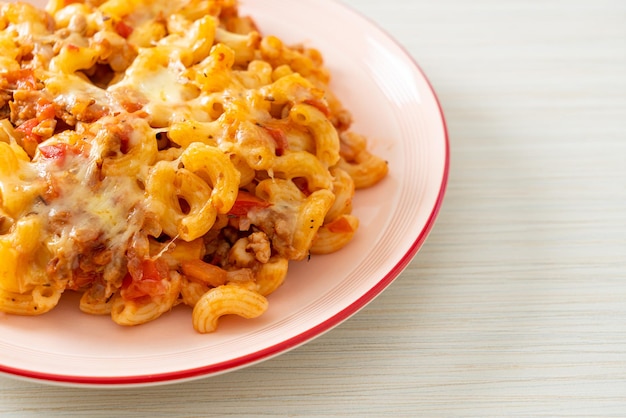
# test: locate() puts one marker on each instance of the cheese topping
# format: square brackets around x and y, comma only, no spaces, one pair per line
[162,152]
[88,213]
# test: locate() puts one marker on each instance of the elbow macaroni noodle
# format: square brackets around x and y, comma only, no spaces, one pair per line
[164,153]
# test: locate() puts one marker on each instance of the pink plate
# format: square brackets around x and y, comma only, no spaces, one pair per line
[394,105]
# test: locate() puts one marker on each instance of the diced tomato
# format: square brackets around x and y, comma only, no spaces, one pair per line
[45,110]
[302,184]
[280,139]
[246,201]
[129,105]
[124,143]
[123,29]
[320,105]
[22,79]
[58,151]
[28,126]
[204,272]
[150,280]
[31,140]
[340,225]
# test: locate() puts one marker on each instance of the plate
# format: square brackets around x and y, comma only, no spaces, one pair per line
[394,105]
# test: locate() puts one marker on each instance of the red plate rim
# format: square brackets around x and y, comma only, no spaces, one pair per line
[293,342]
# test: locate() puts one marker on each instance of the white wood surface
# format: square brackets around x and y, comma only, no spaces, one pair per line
[516,304]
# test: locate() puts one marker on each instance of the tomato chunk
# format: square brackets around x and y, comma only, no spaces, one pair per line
[23,79]
[28,126]
[31,136]
[54,151]
[245,202]
[303,184]
[279,138]
[58,152]
[320,105]
[123,29]
[340,225]
[149,280]
[45,110]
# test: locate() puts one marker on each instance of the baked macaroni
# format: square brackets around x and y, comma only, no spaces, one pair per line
[157,153]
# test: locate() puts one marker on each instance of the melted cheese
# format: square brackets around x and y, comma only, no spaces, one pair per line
[142,11]
[95,187]
[162,86]
[71,92]
[87,211]
[167,92]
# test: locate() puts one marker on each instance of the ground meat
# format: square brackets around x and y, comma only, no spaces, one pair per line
[259,244]
[24,105]
[278,226]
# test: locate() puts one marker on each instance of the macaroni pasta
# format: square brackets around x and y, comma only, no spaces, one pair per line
[157,153]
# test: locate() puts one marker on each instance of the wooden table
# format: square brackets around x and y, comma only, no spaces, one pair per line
[516,304]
